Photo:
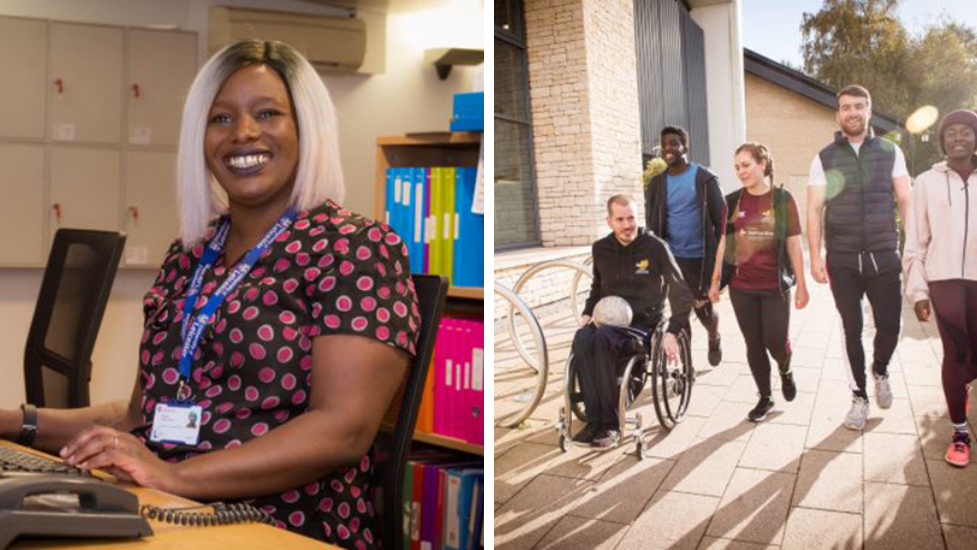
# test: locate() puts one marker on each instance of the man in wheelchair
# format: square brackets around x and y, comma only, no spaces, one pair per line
[638,267]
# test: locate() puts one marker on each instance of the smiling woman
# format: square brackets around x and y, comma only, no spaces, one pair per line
[272,285]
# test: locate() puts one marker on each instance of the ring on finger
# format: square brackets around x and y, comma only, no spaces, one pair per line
[115,442]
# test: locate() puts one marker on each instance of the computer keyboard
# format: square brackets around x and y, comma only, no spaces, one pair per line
[15,461]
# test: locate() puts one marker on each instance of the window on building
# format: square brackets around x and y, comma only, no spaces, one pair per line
[516,218]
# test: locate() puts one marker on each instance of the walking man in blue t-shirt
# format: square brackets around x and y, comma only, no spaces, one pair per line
[685,206]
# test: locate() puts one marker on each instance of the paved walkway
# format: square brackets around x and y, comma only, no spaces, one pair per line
[798,480]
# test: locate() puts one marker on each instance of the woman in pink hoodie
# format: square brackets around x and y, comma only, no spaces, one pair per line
[941,264]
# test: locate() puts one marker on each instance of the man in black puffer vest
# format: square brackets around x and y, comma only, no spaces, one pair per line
[855,182]
[639,268]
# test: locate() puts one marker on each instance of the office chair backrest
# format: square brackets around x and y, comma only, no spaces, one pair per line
[393,444]
[74,292]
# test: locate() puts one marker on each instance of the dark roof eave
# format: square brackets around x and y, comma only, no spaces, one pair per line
[798,82]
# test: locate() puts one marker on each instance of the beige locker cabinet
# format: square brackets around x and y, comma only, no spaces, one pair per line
[23,67]
[22,204]
[152,220]
[159,69]
[85,188]
[85,83]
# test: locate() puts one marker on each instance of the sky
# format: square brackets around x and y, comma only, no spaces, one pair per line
[772,27]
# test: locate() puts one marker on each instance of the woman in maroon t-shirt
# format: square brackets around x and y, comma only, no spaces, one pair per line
[763,253]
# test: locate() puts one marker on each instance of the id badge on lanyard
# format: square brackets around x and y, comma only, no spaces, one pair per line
[179,420]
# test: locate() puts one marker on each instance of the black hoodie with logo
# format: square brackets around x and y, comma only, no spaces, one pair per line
[643,273]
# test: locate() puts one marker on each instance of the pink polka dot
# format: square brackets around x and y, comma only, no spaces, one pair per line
[344,303]
[288,381]
[251,294]
[384,292]
[270,298]
[298,397]
[266,333]
[170,376]
[283,236]
[242,414]
[236,335]
[222,425]
[293,247]
[303,259]
[301,224]
[326,505]
[289,333]
[341,246]
[213,391]
[400,309]
[391,239]
[291,497]
[312,489]
[346,267]
[250,313]
[290,285]
[368,535]
[259,429]
[360,506]
[354,525]
[266,375]
[343,532]
[326,261]
[383,315]
[270,403]
[332,321]
[286,317]
[158,339]
[257,351]
[364,253]
[157,358]
[327,283]
[368,304]
[320,245]
[281,265]
[350,475]
[359,324]
[383,333]
[343,510]
[224,407]
[364,283]
[347,229]
[251,393]
[237,359]
[297,519]
[373,234]
[284,354]
[233,307]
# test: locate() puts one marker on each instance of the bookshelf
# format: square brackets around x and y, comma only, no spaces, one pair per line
[434,149]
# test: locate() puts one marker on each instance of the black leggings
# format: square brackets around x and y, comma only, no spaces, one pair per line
[879,277]
[691,269]
[596,354]
[764,319]
[955,306]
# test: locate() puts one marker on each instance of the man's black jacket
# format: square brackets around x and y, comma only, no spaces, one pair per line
[712,207]
[642,273]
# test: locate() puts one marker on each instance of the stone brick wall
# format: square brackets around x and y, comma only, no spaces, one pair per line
[583,90]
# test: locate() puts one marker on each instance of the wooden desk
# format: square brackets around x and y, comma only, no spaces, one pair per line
[178,537]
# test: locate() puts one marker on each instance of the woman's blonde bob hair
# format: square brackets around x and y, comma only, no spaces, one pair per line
[319,175]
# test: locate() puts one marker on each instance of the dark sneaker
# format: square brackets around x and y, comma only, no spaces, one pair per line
[788,386]
[607,439]
[760,411]
[715,352]
[587,434]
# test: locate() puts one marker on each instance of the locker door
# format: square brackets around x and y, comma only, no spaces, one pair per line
[85,83]
[23,64]
[85,188]
[151,217]
[22,207]
[159,69]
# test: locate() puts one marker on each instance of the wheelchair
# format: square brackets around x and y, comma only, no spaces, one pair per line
[671,387]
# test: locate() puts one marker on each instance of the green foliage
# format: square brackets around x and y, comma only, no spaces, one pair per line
[862,42]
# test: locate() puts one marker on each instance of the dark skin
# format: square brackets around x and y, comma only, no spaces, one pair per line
[675,153]
[961,148]
[355,378]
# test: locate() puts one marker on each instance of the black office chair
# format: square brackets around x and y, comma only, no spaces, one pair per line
[393,444]
[74,292]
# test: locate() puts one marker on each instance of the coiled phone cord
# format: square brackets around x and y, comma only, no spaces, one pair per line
[223,514]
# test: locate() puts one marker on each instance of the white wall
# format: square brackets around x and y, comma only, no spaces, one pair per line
[725,93]
[406,97]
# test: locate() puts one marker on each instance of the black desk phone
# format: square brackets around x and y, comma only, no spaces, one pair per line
[66,506]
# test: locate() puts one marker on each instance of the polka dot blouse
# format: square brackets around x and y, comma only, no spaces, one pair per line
[331,272]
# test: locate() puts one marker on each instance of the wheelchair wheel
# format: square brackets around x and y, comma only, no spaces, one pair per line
[571,385]
[631,382]
[671,385]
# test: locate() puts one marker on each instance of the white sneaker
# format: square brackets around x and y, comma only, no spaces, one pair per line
[883,391]
[858,414]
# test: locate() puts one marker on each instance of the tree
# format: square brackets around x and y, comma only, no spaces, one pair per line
[862,42]
[858,42]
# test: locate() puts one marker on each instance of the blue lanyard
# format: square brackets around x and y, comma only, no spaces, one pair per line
[193,326]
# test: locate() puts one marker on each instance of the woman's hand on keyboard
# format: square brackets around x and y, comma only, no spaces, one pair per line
[122,455]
